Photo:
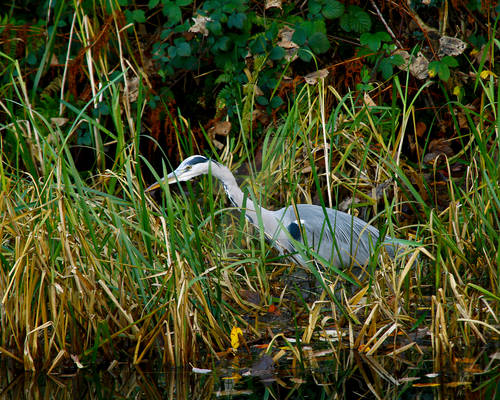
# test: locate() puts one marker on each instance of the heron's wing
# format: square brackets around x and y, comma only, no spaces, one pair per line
[340,238]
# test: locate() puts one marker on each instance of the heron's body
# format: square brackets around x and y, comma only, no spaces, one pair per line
[341,239]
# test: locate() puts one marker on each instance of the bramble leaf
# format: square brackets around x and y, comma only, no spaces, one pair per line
[319,43]
[333,9]
[236,20]
[277,53]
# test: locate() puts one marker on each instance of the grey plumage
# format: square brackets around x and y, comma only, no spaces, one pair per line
[341,239]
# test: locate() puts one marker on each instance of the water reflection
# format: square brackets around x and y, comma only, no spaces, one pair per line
[351,376]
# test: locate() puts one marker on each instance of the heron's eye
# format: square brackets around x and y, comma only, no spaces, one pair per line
[188,167]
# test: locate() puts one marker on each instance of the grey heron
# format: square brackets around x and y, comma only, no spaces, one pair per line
[341,239]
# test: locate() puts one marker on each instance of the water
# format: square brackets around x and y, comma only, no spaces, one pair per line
[329,375]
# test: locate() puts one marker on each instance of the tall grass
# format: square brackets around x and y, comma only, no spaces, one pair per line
[92,267]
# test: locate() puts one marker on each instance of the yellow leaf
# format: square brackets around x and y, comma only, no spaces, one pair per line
[486,73]
[426,384]
[456,90]
[235,339]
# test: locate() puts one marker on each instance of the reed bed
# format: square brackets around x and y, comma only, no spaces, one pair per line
[93,269]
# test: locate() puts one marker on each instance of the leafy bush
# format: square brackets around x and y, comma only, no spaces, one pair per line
[230,35]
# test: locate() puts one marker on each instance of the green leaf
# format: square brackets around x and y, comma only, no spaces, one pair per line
[258,46]
[333,9]
[138,16]
[223,44]
[276,101]
[31,59]
[439,68]
[173,13]
[319,43]
[277,53]
[223,78]
[374,40]
[184,49]
[450,61]
[183,3]
[215,27]
[190,63]
[262,100]
[346,22]
[172,51]
[153,3]
[236,20]
[103,108]
[299,36]
[433,68]
[314,7]
[396,59]
[304,54]
[165,33]
[362,23]
[383,36]
[444,72]
[370,40]
[385,67]
[355,20]
[181,28]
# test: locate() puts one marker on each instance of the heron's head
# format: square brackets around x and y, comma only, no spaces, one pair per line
[190,168]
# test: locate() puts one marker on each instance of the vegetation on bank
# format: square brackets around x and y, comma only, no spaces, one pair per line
[92,268]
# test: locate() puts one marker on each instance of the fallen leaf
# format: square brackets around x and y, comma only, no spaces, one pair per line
[232,392]
[420,129]
[438,147]
[221,128]
[235,337]
[250,296]
[54,62]
[457,384]
[273,310]
[76,360]
[201,370]
[487,73]
[200,25]
[450,46]
[59,121]
[133,89]
[314,77]
[409,379]
[368,100]
[286,42]
[426,384]
[418,66]
[273,4]
[297,380]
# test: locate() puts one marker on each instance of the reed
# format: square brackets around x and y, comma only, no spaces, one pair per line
[92,267]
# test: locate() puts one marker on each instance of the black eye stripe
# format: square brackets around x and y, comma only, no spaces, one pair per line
[196,160]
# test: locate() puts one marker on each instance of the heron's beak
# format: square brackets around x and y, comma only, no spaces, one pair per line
[171,178]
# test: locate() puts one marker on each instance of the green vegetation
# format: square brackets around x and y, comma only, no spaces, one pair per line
[92,267]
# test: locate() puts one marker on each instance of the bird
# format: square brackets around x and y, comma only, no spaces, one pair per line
[340,239]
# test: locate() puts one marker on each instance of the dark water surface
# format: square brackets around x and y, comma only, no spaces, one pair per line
[348,375]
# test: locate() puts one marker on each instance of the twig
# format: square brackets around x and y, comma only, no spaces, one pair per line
[389,30]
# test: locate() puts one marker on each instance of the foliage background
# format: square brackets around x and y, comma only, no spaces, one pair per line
[308,102]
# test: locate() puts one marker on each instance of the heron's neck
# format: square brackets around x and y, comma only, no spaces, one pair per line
[238,198]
